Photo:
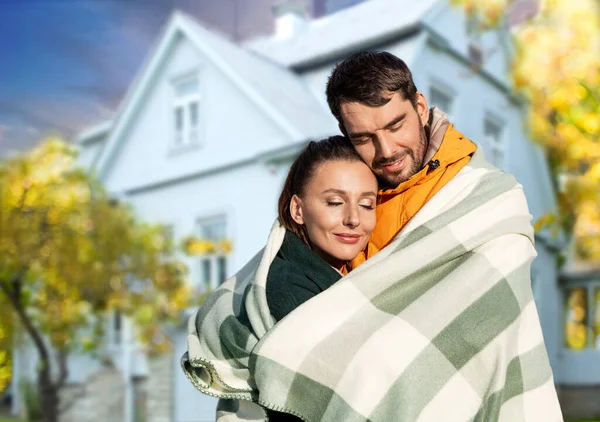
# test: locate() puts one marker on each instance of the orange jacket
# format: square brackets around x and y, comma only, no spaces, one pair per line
[395,207]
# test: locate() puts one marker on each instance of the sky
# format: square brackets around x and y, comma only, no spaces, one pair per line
[66,64]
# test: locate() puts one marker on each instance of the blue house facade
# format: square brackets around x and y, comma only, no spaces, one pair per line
[207,131]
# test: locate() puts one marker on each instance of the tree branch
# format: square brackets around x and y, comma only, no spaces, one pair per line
[63,368]
[27,323]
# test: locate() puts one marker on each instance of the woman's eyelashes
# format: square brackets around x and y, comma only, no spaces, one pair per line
[336,203]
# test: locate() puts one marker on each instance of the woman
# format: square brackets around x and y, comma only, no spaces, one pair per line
[326,217]
[327,207]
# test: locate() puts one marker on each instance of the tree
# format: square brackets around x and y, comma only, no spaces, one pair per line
[556,69]
[5,349]
[68,254]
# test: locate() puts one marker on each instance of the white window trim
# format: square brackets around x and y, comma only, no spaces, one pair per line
[493,144]
[589,287]
[184,103]
[213,258]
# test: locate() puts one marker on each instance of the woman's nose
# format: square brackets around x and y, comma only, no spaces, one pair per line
[352,219]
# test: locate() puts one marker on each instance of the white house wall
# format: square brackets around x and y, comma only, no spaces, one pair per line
[477,97]
[450,22]
[547,296]
[89,152]
[245,194]
[315,78]
[231,127]
[190,404]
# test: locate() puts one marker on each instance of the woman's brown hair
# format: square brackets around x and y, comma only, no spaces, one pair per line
[334,148]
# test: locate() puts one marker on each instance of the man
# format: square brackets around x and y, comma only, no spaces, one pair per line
[412,150]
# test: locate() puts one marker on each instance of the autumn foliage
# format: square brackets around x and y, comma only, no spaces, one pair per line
[68,254]
[557,70]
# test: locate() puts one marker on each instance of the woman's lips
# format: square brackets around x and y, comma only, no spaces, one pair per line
[348,238]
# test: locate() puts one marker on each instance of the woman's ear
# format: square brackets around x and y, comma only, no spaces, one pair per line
[296,209]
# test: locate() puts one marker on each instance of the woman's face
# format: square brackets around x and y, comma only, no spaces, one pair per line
[337,208]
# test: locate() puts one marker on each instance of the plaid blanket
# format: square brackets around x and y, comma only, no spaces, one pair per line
[439,325]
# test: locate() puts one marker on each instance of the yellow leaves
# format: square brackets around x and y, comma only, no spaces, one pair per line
[546,220]
[144,314]
[198,247]
[557,68]
[590,122]
[5,369]
[81,252]
[576,315]
[488,13]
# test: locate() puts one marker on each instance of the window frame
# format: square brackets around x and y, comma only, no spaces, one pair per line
[213,259]
[590,286]
[188,135]
[446,91]
[494,145]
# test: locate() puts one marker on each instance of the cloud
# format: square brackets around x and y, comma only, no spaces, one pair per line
[3,130]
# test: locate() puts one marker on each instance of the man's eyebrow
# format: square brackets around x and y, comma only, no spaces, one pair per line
[391,124]
[341,192]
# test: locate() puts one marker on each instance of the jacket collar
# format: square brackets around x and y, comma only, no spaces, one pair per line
[446,146]
[312,265]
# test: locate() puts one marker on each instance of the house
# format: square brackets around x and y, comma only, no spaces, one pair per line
[205,135]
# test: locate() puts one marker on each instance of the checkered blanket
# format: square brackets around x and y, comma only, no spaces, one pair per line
[438,326]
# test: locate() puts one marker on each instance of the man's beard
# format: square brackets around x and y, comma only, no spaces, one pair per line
[417,156]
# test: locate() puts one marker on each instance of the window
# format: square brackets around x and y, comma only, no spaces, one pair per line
[582,317]
[442,99]
[213,265]
[186,111]
[493,133]
[114,325]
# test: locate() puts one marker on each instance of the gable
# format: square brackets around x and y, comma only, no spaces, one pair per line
[296,114]
[231,127]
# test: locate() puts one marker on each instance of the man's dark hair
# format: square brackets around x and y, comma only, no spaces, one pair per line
[370,78]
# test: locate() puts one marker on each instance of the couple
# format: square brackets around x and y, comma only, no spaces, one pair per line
[393,287]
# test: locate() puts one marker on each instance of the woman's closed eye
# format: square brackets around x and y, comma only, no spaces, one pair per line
[334,203]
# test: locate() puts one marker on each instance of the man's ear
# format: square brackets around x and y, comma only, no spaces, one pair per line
[296,209]
[422,108]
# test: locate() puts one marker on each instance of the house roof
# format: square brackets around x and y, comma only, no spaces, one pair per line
[276,90]
[279,86]
[94,133]
[364,25]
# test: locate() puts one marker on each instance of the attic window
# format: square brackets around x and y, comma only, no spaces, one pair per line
[186,111]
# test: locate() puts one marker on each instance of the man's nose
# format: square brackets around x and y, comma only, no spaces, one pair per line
[385,146]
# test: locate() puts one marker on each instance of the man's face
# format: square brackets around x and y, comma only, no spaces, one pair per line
[391,138]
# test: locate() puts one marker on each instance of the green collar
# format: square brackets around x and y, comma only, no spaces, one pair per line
[312,265]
